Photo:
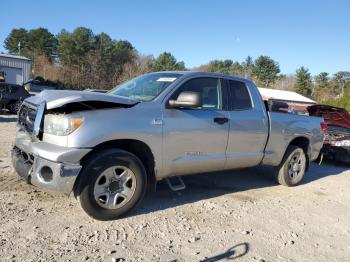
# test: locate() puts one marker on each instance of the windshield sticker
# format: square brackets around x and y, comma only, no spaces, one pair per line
[166,79]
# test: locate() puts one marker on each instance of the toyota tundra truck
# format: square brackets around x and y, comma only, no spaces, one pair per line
[108,149]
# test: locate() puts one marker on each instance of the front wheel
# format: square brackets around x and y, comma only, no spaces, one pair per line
[111,184]
[292,168]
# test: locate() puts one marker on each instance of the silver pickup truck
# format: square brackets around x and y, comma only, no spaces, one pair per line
[109,148]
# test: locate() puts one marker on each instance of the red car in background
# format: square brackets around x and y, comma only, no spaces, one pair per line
[337,142]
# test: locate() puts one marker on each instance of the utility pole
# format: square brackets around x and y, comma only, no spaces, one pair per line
[19,48]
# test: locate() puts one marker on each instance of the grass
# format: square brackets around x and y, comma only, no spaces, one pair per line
[343,102]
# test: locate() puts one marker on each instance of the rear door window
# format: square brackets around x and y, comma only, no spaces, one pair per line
[240,98]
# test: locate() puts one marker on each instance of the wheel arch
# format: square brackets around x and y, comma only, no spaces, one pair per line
[303,143]
[136,147]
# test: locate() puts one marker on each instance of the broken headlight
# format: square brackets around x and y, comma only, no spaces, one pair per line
[61,125]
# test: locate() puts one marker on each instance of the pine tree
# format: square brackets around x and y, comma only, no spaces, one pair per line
[303,83]
[167,62]
[266,70]
[322,80]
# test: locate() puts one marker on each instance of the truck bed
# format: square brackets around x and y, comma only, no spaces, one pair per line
[284,128]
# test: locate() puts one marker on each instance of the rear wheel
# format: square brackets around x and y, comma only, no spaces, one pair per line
[292,168]
[111,184]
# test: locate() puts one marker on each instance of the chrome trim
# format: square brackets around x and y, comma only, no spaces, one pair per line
[39,118]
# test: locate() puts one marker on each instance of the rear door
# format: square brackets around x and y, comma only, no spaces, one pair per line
[195,140]
[248,127]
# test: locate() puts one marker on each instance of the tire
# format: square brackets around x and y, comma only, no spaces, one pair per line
[291,171]
[112,182]
[13,107]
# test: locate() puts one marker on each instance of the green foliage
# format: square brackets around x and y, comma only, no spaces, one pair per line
[102,42]
[343,102]
[167,62]
[322,80]
[342,79]
[220,66]
[248,66]
[224,67]
[33,43]
[236,69]
[16,36]
[266,70]
[97,56]
[248,63]
[303,81]
[86,59]
[41,42]
[73,47]
[230,67]
[121,52]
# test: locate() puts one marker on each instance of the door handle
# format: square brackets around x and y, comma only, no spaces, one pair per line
[221,120]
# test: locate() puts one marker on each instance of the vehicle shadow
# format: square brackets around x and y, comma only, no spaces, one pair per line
[8,119]
[327,168]
[206,186]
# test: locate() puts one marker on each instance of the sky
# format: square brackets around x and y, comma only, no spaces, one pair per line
[310,33]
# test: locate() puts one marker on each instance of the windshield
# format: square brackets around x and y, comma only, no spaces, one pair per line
[146,87]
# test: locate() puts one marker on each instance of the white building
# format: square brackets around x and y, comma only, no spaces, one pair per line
[14,69]
[293,99]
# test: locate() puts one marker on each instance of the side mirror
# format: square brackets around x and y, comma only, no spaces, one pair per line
[186,99]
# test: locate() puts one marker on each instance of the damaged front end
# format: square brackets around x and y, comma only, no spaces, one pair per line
[41,155]
[337,144]
[337,140]
[58,112]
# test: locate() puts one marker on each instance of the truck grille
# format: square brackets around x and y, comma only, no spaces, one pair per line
[26,117]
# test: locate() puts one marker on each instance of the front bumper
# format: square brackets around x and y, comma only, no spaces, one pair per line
[44,173]
[45,165]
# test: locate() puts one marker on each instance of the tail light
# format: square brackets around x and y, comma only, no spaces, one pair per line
[324,127]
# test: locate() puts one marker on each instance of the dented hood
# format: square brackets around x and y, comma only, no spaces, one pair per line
[58,98]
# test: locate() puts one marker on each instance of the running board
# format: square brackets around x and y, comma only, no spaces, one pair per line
[175,183]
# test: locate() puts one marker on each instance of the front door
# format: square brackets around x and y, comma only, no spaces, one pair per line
[195,140]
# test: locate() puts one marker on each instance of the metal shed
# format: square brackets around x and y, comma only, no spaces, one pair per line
[14,69]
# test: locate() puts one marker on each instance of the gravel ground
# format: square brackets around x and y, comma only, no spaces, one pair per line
[239,215]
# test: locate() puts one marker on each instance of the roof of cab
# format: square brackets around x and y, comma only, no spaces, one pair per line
[194,73]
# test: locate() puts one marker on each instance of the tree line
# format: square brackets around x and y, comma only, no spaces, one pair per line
[82,59]
[266,73]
